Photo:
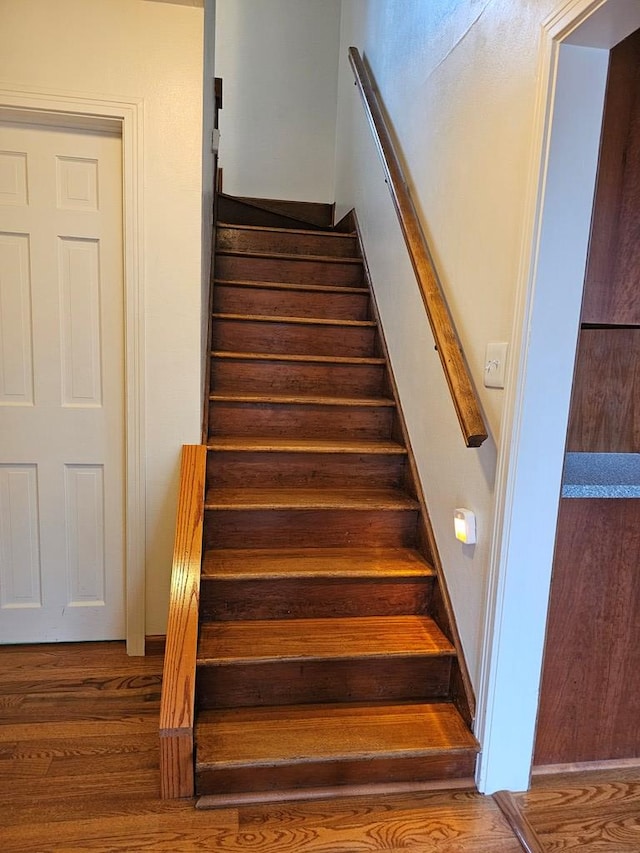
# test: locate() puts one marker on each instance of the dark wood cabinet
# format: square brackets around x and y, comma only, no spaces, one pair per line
[591,681]
[605,402]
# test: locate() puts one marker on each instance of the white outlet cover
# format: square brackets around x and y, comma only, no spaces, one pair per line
[495,364]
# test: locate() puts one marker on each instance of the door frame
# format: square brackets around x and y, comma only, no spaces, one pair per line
[79,110]
[572,73]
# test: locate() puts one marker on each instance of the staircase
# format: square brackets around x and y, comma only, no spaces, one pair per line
[326,656]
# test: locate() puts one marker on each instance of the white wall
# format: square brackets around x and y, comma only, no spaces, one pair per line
[279,64]
[126,49]
[458,81]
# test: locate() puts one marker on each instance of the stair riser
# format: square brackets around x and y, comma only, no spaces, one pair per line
[280,377]
[329,245]
[311,528]
[288,269]
[297,683]
[457,765]
[312,598]
[292,338]
[289,470]
[299,420]
[270,302]
[235,211]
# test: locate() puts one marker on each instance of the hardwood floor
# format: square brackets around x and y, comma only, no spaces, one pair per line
[589,812]
[79,771]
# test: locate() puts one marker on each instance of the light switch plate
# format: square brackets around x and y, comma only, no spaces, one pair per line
[495,365]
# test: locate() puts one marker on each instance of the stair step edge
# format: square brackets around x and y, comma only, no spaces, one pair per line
[239,564]
[284,285]
[289,256]
[322,639]
[276,229]
[310,734]
[302,399]
[374,361]
[301,321]
[308,499]
[242,445]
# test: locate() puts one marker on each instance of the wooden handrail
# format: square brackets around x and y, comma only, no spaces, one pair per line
[178,677]
[457,374]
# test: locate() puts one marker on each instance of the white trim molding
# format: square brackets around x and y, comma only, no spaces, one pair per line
[79,110]
[572,72]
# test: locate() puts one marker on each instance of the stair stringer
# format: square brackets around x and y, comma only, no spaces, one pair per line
[459,694]
[461,688]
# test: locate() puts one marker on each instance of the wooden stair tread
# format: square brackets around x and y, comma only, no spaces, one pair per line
[288,256]
[290,357]
[252,444]
[302,321]
[305,499]
[262,563]
[304,399]
[274,229]
[306,734]
[321,639]
[284,285]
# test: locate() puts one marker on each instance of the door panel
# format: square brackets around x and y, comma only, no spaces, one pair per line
[61,385]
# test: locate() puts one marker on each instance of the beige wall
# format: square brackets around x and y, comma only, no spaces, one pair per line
[279,64]
[459,83]
[134,49]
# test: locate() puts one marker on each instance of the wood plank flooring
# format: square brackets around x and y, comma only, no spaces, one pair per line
[79,772]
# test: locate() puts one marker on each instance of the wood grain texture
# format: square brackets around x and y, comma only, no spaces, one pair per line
[328,375]
[397,678]
[274,498]
[98,807]
[298,241]
[326,528]
[307,269]
[591,673]
[314,583]
[295,335]
[307,639]
[291,301]
[611,285]
[262,469]
[302,596]
[319,214]
[519,823]
[297,418]
[246,211]
[315,563]
[605,401]
[271,736]
[178,690]
[591,811]
[463,394]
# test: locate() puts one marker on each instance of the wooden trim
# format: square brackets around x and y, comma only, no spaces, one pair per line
[522,829]
[155,644]
[373,789]
[464,696]
[178,678]
[463,394]
[578,768]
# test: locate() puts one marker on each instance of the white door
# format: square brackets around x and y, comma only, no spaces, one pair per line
[61,385]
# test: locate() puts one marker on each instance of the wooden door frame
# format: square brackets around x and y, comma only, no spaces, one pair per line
[78,110]
[572,72]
